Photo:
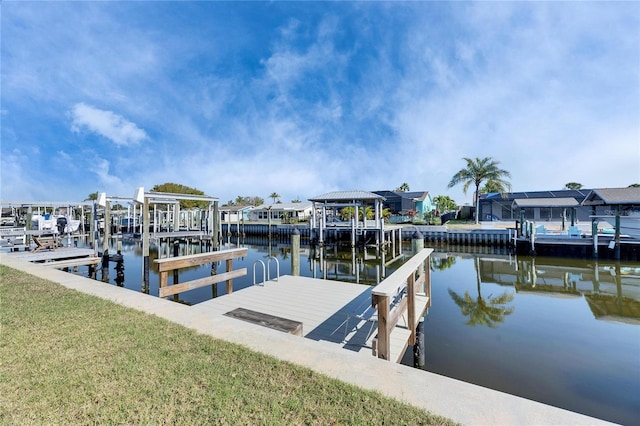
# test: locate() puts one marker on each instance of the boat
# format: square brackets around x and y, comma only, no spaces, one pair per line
[629,223]
[54,223]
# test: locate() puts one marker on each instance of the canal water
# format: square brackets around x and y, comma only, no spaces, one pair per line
[564,332]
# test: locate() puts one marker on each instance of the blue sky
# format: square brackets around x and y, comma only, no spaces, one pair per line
[302,98]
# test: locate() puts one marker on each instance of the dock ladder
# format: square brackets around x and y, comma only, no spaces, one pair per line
[266,272]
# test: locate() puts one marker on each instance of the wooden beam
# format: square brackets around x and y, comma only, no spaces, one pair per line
[72,262]
[266,320]
[171,263]
[165,291]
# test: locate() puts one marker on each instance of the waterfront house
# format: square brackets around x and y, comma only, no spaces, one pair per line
[554,205]
[537,205]
[405,205]
[235,214]
[281,212]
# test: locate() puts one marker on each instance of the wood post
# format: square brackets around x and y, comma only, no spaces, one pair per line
[145,246]
[229,281]
[295,253]
[176,253]
[384,342]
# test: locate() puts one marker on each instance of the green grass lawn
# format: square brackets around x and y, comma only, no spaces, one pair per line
[70,358]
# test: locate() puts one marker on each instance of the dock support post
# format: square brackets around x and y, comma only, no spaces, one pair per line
[418,348]
[145,246]
[295,252]
[594,236]
[616,250]
[105,266]
[105,242]
[29,226]
[215,238]
[417,244]
[176,253]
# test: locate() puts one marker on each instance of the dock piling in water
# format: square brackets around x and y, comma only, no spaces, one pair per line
[295,253]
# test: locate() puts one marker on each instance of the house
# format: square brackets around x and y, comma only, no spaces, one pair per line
[281,212]
[537,205]
[235,214]
[400,204]
[554,205]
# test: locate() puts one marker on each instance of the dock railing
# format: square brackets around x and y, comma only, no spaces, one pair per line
[392,301]
[167,265]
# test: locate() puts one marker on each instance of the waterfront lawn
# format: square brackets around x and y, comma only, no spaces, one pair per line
[70,358]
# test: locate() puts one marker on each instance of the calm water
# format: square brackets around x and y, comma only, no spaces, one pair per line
[564,332]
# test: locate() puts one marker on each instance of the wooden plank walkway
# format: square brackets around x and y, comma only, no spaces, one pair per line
[61,257]
[324,308]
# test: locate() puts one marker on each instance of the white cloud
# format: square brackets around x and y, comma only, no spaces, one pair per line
[106,123]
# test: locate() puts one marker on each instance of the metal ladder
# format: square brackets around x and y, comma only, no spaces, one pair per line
[266,272]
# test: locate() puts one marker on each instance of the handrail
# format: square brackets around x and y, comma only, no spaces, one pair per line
[170,264]
[277,267]
[264,277]
[415,276]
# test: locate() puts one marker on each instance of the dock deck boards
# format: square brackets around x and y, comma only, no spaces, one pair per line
[61,257]
[322,306]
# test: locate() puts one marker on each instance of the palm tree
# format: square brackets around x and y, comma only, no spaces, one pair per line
[493,186]
[481,311]
[573,185]
[403,188]
[275,196]
[444,203]
[479,170]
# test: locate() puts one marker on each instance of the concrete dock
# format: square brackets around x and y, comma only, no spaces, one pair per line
[462,402]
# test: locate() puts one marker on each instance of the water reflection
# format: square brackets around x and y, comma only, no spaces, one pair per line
[612,290]
[565,331]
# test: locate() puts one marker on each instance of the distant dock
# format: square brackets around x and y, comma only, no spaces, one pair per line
[59,258]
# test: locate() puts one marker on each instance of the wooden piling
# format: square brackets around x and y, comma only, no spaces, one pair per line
[295,253]
[145,246]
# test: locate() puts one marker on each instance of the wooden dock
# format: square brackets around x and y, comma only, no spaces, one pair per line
[60,257]
[380,321]
[329,311]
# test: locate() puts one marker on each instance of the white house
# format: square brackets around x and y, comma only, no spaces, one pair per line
[281,212]
[235,214]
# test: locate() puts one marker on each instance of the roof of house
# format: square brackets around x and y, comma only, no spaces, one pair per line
[578,194]
[546,202]
[417,195]
[235,208]
[613,196]
[285,206]
[342,196]
[413,195]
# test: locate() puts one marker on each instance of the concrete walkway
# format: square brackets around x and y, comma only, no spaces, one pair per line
[462,402]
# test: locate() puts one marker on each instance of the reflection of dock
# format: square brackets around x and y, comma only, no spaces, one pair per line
[612,308]
[611,289]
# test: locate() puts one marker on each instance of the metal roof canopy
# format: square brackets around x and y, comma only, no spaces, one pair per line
[613,196]
[546,202]
[347,196]
[169,196]
[56,204]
